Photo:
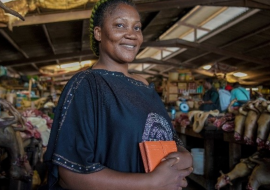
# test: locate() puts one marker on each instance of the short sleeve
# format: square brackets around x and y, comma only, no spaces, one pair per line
[74,148]
[72,138]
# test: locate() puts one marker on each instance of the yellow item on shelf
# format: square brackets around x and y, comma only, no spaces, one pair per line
[35,180]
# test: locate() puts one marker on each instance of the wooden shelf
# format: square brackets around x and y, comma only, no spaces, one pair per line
[173,89]
[182,81]
[208,132]
[18,87]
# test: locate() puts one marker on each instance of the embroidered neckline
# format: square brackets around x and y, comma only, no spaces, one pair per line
[120,74]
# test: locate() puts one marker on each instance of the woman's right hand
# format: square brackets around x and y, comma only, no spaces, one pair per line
[166,176]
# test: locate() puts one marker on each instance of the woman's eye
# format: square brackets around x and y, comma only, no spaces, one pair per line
[120,25]
[138,28]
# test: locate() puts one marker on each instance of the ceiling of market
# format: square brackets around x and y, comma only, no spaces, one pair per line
[231,35]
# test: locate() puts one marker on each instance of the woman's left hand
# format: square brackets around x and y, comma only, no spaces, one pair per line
[183,159]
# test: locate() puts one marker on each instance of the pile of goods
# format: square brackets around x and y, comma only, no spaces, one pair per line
[255,167]
[18,131]
[252,120]
[249,122]
[198,119]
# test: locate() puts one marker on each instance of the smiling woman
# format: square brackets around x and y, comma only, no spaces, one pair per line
[104,113]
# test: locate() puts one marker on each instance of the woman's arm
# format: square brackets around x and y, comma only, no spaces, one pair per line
[165,177]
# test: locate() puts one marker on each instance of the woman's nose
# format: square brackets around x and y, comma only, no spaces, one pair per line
[131,33]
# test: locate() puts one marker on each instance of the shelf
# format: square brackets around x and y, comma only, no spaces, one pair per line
[229,137]
[208,132]
[18,87]
[182,81]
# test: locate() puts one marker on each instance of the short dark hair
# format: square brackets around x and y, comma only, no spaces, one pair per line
[209,80]
[236,85]
[99,12]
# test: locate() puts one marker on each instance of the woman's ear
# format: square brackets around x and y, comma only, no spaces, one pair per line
[97,33]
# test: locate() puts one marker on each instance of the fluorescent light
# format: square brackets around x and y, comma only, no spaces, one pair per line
[207,67]
[239,74]
[68,65]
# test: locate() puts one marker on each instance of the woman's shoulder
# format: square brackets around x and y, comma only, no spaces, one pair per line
[140,78]
[84,74]
[80,79]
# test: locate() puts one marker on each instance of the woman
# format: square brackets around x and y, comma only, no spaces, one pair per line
[104,112]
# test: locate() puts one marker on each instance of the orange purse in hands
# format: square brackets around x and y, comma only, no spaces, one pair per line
[154,151]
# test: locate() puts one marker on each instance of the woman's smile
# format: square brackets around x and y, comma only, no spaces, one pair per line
[120,35]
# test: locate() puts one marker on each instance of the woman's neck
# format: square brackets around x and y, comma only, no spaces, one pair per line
[123,68]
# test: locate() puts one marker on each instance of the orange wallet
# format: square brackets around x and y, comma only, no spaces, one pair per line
[154,151]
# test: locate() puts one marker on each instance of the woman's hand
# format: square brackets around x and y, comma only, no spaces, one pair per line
[185,158]
[171,172]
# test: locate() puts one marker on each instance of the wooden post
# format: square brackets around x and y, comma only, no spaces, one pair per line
[209,163]
[234,158]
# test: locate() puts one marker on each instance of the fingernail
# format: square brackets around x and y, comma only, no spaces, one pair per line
[177,160]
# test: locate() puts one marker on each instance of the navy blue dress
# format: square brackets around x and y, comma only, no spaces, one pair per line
[100,119]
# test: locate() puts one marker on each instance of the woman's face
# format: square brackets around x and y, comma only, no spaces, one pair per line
[120,36]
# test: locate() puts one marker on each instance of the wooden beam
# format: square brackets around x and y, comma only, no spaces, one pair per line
[34,65]
[56,17]
[14,44]
[193,26]
[266,2]
[148,25]
[267,27]
[142,7]
[49,58]
[166,70]
[48,37]
[194,58]
[154,61]
[160,5]
[253,33]
[257,47]
[165,43]
[221,29]
[187,44]
[230,24]
[244,3]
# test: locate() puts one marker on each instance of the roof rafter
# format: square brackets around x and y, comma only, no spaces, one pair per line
[44,59]
[48,37]
[187,44]
[13,43]
[152,6]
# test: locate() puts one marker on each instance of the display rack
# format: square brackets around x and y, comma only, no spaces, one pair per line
[207,181]
[174,89]
[209,136]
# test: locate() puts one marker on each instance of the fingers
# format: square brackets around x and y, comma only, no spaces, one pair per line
[171,160]
[183,183]
[185,172]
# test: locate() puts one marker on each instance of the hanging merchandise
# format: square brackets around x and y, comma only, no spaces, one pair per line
[183,107]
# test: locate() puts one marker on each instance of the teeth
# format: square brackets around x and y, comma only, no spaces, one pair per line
[129,46]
